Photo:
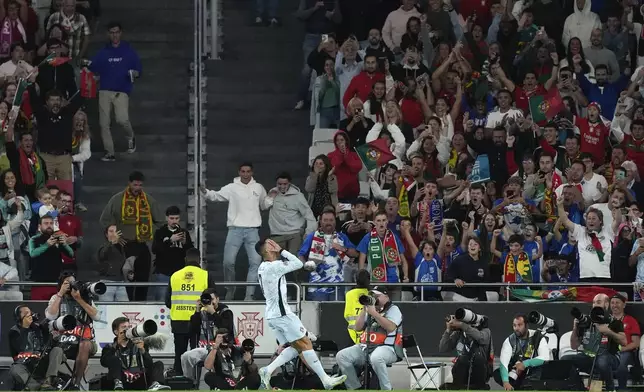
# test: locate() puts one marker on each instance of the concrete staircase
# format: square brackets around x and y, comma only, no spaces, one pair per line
[161,31]
[251,94]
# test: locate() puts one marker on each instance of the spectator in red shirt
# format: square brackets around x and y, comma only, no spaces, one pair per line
[531,86]
[634,144]
[627,355]
[594,133]
[347,165]
[69,224]
[362,84]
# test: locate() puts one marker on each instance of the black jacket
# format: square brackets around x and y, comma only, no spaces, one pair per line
[54,130]
[170,255]
[222,318]
[125,355]
[27,340]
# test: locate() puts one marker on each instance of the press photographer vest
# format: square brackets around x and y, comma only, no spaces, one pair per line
[375,335]
[531,348]
[186,285]
[208,328]
[84,327]
[34,343]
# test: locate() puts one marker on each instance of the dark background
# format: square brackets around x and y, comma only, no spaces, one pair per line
[427,320]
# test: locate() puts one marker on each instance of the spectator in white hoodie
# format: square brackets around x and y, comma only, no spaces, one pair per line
[9,274]
[580,24]
[396,25]
[245,198]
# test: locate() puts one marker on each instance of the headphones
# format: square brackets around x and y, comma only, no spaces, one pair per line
[16,313]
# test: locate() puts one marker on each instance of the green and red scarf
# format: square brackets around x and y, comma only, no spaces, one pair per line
[519,271]
[382,254]
[597,245]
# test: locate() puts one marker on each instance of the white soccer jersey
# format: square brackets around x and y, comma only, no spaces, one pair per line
[273,283]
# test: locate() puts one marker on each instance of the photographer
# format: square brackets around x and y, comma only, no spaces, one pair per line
[601,336]
[524,349]
[27,343]
[74,298]
[45,251]
[628,353]
[129,365]
[221,369]
[468,333]
[211,316]
[381,322]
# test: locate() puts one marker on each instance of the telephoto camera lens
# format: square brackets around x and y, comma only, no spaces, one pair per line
[248,345]
[64,323]
[599,316]
[97,288]
[540,320]
[366,300]
[145,329]
[467,316]
[582,319]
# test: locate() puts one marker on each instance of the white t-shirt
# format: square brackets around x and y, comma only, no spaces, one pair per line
[589,264]
[589,188]
[9,68]
[607,217]
[494,118]
[273,283]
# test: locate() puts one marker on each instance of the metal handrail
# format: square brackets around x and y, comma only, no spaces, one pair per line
[506,286]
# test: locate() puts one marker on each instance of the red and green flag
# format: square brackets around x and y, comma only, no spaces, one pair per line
[20,92]
[375,154]
[53,60]
[544,108]
[528,295]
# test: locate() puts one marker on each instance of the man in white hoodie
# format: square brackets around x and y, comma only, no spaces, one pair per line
[580,24]
[245,198]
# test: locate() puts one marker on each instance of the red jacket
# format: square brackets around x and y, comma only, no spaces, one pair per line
[634,151]
[347,166]
[360,86]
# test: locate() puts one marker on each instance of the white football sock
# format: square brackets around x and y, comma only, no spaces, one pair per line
[313,362]
[288,354]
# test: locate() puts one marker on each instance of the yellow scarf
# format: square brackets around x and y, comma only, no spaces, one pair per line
[135,210]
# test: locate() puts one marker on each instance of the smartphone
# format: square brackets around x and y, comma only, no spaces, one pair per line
[325,38]
[620,175]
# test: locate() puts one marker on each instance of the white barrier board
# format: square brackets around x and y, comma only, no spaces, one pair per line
[249,324]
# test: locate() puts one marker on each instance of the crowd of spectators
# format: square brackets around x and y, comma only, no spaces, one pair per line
[549,91]
[47,76]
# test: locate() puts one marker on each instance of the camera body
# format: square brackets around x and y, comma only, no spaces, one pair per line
[88,289]
[583,320]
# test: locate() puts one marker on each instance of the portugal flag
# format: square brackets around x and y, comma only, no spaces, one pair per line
[375,154]
[545,108]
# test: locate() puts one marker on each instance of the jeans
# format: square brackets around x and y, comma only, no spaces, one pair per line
[121,103]
[238,236]
[78,185]
[114,293]
[605,365]
[269,6]
[626,358]
[329,117]
[20,373]
[354,356]
[311,42]
[189,360]
[159,293]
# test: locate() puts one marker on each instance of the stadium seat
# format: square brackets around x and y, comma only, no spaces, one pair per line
[323,135]
[322,149]
[553,345]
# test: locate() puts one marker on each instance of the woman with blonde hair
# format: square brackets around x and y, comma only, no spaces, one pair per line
[81,151]
[356,125]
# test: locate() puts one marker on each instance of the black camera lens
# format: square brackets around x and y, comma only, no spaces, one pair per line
[205,299]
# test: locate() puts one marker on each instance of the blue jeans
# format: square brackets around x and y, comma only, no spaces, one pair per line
[329,116]
[272,6]
[238,236]
[160,292]
[78,185]
[114,294]
[311,42]
[625,358]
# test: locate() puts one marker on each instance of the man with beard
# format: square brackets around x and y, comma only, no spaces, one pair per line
[602,92]
[525,349]
[378,48]
[496,149]
[46,251]
[324,253]
[574,176]
[361,84]
[597,54]
[617,157]
[617,201]
[69,224]
[355,229]
[135,213]
[55,127]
